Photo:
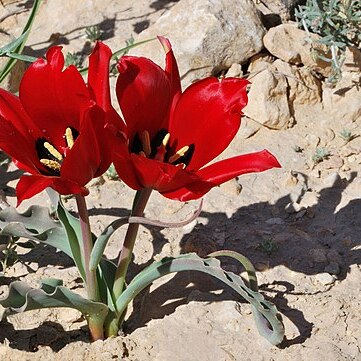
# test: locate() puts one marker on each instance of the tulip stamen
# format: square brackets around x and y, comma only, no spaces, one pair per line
[141,153]
[165,140]
[69,137]
[52,164]
[180,153]
[53,151]
[145,140]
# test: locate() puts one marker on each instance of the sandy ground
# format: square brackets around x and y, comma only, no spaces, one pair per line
[299,225]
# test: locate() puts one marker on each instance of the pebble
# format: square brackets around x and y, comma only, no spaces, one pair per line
[332,179]
[235,71]
[333,268]
[325,279]
[293,207]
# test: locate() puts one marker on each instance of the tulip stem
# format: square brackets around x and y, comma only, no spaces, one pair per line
[91,280]
[140,201]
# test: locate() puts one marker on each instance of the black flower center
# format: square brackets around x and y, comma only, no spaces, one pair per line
[158,148]
[50,156]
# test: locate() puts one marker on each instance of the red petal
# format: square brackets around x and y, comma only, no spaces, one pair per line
[140,172]
[86,158]
[223,171]
[53,98]
[208,116]
[17,146]
[12,111]
[30,185]
[171,68]
[98,82]
[98,75]
[143,92]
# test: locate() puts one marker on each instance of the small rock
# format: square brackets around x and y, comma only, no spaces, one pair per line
[325,279]
[259,63]
[293,207]
[214,34]
[333,268]
[261,266]
[267,100]
[288,43]
[315,173]
[333,162]
[300,214]
[332,180]
[235,71]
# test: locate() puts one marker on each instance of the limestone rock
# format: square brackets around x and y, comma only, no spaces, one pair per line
[235,71]
[343,101]
[352,60]
[259,62]
[212,36]
[268,103]
[290,44]
[304,87]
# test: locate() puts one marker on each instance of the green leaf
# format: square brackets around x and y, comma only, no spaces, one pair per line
[29,59]
[14,44]
[35,224]
[265,313]
[73,236]
[22,298]
[19,48]
[101,242]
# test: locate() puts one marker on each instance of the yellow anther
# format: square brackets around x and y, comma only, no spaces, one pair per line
[69,138]
[53,164]
[53,151]
[180,153]
[145,139]
[166,140]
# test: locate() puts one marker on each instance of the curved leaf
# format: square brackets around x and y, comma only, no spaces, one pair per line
[51,293]
[35,224]
[73,237]
[244,261]
[265,313]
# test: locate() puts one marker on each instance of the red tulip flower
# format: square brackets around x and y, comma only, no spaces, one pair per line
[172,136]
[56,129]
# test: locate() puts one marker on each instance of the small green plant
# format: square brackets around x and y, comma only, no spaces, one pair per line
[268,246]
[347,135]
[73,59]
[338,24]
[111,173]
[93,33]
[320,155]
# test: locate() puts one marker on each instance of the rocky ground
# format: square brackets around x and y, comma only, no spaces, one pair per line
[300,225]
